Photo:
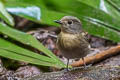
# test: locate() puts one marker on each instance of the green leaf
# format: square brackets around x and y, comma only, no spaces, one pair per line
[14,48]
[115,4]
[36,14]
[95,15]
[28,40]
[22,54]
[105,5]
[101,30]
[32,12]
[15,56]
[81,10]
[112,9]
[5,15]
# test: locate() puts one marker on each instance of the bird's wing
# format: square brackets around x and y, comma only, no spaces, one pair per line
[85,35]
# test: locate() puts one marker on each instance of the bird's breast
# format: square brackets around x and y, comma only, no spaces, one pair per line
[69,41]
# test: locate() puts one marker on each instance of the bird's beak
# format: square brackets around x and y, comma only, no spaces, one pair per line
[58,21]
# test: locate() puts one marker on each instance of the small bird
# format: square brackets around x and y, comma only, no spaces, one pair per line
[71,42]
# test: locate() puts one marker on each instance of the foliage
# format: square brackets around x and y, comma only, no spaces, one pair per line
[13,51]
[99,18]
[5,16]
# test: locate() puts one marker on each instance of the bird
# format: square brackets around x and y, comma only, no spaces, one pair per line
[71,41]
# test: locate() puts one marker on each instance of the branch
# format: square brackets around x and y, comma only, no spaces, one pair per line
[98,57]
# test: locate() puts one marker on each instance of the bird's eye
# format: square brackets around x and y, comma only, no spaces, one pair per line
[69,22]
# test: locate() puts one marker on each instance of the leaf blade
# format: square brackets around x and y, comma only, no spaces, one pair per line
[14,48]
[28,40]
[5,15]
[5,53]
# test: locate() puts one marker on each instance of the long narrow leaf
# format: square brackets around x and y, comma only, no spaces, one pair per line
[28,40]
[5,15]
[104,5]
[12,47]
[104,14]
[15,56]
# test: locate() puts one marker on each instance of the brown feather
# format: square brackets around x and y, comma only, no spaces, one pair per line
[72,45]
